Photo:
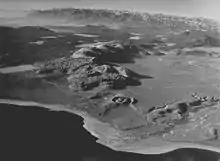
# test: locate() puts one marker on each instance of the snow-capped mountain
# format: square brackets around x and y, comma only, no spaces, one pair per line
[122,18]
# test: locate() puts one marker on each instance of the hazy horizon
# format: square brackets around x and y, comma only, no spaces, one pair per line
[191,8]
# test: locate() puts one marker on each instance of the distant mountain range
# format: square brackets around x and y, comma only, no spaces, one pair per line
[122,18]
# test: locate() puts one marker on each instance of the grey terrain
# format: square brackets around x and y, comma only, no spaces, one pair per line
[143,83]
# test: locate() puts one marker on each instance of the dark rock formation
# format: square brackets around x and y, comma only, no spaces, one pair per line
[92,67]
[124,100]
[187,32]
[64,65]
[206,41]
[202,52]
[109,76]
[117,101]
[178,111]
[211,133]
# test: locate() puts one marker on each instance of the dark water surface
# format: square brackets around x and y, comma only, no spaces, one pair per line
[33,133]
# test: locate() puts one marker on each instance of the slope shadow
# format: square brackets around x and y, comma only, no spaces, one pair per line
[31,133]
[139,76]
[130,72]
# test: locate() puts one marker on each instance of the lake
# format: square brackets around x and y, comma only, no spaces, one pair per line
[33,133]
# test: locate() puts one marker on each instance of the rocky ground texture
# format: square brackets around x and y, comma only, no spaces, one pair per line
[94,69]
[94,66]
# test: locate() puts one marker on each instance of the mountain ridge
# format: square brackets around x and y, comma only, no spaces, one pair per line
[125,16]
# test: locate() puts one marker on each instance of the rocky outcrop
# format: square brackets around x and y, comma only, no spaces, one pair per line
[112,51]
[116,101]
[122,100]
[107,76]
[199,51]
[207,41]
[176,112]
[92,67]
[64,65]
[211,133]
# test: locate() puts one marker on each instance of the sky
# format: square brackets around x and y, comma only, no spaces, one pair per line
[194,8]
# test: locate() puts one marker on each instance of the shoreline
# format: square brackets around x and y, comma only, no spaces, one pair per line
[92,125]
[16,69]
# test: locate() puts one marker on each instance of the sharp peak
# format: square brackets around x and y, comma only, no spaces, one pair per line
[124,11]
